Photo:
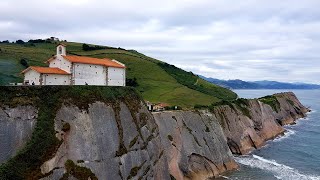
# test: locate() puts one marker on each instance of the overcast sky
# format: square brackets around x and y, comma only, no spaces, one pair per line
[225,39]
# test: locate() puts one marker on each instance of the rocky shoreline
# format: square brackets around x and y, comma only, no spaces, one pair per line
[243,126]
[250,128]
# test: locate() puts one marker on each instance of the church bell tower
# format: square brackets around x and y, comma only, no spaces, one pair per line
[61,50]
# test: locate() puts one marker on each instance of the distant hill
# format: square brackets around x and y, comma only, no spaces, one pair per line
[240,84]
[157,81]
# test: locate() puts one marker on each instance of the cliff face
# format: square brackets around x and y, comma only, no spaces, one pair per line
[114,143]
[107,133]
[290,108]
[16,126]
[194,145]
[78,132]
[248,124]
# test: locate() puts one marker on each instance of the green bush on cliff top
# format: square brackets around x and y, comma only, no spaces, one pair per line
[271,101]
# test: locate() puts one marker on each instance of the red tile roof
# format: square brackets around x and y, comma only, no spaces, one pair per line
[162,104]
[46,70]
[90,60]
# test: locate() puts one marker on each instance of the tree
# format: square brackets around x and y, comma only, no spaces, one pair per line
[19,41]
[24,62]
[85,47]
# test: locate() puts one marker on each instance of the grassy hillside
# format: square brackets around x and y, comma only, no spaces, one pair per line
[157,81]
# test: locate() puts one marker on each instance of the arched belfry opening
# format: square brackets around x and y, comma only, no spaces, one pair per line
[60,50]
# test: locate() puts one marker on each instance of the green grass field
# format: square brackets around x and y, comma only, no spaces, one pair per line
[155,82]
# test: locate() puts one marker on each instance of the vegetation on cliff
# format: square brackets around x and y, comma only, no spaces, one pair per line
[271,101]
[81,173]
[48,99]
[238,104]
[194,82]
[155,80]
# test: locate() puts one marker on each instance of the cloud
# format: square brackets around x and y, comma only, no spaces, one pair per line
[249,40]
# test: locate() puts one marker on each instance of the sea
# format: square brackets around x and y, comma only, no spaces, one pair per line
[294,156]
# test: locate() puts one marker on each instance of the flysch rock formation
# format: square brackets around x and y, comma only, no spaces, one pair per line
[290,108]
[194,145]
[122,140]
[248,126]
[109,143]
[16,126]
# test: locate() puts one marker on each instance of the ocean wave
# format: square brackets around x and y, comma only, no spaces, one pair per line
[279,171]
[288,133]
[224,177]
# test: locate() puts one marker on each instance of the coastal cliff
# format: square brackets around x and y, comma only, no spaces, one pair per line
[249,123]
[194,144]
[16,126]
[117,143]
[98,132]
[81,132]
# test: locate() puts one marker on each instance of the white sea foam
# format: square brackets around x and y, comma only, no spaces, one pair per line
[288,133]
[279,171]
[312,111]
[225,177]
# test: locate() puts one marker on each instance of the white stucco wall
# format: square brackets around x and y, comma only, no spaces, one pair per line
[61,63]
[56,79]
[90,74]
[32,76]
[116,76]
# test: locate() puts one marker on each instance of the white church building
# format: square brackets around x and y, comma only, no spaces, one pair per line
[76,70]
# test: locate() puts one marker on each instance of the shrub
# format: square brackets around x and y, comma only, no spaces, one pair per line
[36,41]
[199,106]
[24,62]
[5,41]
[20,41]
[81,173]
[86,47]
[66,127]
[131,82]
[271,101]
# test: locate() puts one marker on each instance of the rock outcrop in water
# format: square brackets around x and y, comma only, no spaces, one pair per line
[248,124]
[107,133]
